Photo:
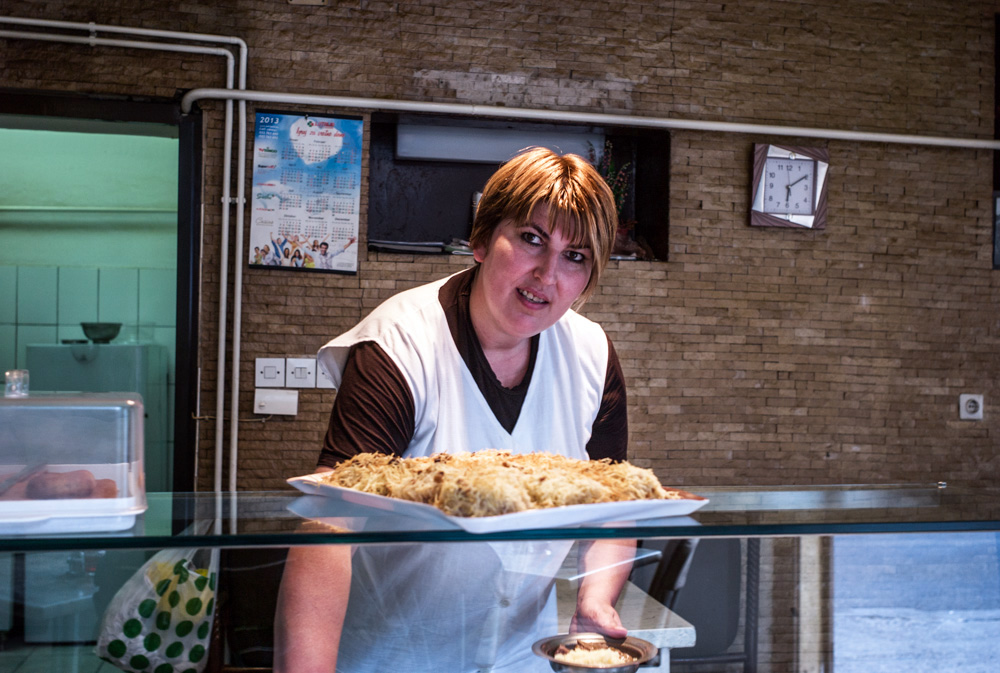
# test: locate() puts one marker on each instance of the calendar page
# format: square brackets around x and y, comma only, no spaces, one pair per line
[306,192]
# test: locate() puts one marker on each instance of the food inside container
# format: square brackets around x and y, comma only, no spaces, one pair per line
[585,652]
[71,462]
[62,482]
[592,655]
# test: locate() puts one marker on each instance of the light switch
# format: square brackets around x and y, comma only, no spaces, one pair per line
[300,372]
[322,379]
[269,373]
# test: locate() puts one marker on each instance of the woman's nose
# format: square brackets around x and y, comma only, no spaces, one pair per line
[545,271]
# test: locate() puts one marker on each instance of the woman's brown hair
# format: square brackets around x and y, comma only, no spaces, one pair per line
[579,201]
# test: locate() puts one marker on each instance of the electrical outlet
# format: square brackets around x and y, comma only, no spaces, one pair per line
[276,402]
[970,407]
[269,373]
[300,372]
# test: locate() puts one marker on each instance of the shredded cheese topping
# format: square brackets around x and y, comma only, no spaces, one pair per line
[493,482]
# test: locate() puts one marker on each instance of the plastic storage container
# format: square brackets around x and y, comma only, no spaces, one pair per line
[71,462]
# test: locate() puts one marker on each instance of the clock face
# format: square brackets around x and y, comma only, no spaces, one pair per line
[789,186]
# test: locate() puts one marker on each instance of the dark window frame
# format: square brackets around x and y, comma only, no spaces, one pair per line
[425,201]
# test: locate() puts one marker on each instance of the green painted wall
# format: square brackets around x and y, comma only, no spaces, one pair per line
[87,199]
[88,232]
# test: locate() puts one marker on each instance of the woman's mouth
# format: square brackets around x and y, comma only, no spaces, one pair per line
[530,297]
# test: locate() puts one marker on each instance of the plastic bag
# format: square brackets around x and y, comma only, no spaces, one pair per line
[160,621]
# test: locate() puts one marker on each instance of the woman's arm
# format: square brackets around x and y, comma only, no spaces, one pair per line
[605,566]
[312,603]
[608,561]
[372,412]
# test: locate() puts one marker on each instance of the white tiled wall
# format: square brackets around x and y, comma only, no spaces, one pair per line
[45,305]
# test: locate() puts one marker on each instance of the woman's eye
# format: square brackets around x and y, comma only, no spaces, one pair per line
[531,238]
[576,257]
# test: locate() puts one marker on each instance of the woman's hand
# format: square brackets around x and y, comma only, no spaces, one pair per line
[597,616]
[605,566]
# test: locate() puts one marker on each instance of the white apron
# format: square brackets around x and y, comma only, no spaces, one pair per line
[465,607]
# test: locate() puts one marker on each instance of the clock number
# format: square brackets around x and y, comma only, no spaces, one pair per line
[788,189]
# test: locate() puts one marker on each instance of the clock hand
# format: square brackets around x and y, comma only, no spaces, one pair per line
[797,181]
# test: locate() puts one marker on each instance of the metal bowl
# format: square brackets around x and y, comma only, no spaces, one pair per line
[642,650]
[101,332]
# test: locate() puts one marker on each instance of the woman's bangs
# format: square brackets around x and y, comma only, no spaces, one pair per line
[566,217]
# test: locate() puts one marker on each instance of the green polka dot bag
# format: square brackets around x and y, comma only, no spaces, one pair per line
[160,621]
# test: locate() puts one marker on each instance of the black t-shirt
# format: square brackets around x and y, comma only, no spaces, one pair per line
[374,408]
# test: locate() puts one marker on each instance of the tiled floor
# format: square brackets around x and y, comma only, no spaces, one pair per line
[52,659]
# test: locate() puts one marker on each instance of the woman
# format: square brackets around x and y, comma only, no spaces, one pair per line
[491,357]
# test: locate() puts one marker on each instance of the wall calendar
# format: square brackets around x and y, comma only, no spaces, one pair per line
[306,192]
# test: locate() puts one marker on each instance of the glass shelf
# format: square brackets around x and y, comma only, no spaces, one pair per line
[269,519]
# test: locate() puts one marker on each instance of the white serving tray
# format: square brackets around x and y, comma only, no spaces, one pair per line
[554,517]
[77,515]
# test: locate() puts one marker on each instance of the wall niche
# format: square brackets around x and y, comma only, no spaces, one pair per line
[425,170]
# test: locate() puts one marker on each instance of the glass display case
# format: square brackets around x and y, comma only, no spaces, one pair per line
[71,462]
[832,578]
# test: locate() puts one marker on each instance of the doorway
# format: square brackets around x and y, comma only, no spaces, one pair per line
[98,208]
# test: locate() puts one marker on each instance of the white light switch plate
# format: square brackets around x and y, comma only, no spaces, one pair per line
[269,373]
[300,372]
[270,402]
[322,380]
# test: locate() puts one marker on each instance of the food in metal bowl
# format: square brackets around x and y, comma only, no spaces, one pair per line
[589,652]
[592,655]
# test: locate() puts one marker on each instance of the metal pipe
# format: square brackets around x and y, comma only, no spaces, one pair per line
[108,28]
[93,40]
[234,422]
[220,395]
[583,117]
[109,42]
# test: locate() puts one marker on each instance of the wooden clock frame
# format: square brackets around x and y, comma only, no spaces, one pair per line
[758,218]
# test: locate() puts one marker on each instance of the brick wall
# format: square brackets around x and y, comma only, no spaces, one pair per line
[752,355]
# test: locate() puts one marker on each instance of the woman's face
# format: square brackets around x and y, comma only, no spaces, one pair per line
[529,277]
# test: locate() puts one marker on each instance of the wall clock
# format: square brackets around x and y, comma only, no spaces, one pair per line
[789,186]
